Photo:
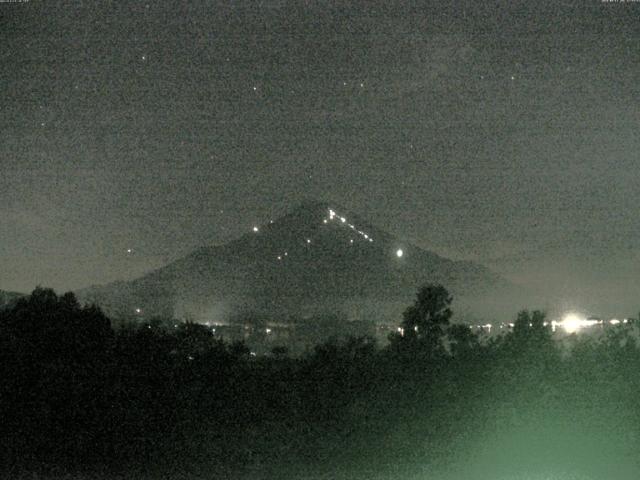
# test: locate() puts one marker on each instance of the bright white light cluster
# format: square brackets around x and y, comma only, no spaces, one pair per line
[333,215]
[572,322]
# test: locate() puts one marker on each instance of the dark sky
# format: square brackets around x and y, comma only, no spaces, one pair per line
[505,132]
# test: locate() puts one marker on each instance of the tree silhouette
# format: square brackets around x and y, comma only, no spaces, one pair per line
[530,327]
[462,341]
[239,349]
[280,351]
[423,323]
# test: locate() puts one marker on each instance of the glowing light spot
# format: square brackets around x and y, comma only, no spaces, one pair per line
[279,257]
[399,253]
[571,323]
[324,221]
[308,240]
[351,241]
[256,229]
[614,321]
[366,237]
[285,254]
[268,331]
[129,250]
[343,220]
[138,310]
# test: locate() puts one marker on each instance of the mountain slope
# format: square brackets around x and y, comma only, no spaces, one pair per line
[318,258]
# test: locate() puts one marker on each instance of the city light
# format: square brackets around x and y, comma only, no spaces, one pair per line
[399,253]
[573,322]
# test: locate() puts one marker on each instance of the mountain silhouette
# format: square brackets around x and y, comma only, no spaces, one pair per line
[317,258]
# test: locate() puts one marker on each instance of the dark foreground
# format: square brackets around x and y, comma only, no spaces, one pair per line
[79,399]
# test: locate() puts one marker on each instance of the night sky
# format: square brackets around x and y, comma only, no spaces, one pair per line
[501,132]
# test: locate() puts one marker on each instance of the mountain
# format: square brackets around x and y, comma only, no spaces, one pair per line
[319,258]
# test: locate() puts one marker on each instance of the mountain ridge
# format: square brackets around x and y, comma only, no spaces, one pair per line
[316,257]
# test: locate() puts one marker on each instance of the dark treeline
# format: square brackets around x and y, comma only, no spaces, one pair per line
[80,397]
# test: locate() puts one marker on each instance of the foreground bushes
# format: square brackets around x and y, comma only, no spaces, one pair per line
[80,397]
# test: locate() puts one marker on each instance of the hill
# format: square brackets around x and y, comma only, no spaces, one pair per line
[318,258]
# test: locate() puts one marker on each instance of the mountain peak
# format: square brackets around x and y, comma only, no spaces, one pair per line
[309,209]
[310,203]
[317,256]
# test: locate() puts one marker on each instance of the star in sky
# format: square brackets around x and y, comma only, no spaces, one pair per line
[478,179]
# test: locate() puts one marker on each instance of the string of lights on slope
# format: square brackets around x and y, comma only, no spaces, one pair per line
[333,216]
